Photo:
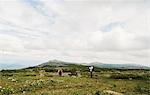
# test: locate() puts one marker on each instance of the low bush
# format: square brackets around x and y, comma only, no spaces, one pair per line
[97,93]
[6,74]
[129,76]
[6,91]
[140,89]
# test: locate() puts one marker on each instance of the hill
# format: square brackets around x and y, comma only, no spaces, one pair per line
[58,63]
[118,66]
[55,64]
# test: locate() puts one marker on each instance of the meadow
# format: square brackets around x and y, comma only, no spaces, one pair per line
[104,82]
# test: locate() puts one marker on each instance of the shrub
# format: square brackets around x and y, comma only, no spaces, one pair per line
[30,75]
[129,76]
[7,75]
[73,72]
[140,89]
[6,91]
[97,93]
[44,94]
[76,93]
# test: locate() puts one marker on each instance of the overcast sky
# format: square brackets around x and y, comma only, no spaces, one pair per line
[109,31]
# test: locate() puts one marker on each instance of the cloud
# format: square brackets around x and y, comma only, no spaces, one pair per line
[119,39]
[39,6]
[82,30]
[110,26]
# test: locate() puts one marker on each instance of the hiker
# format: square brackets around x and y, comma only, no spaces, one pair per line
[91,70]
[60,72]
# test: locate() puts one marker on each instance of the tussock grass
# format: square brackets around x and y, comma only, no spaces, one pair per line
[30,83]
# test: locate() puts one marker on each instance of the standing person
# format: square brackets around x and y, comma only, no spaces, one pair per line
[91,70]
[60,72]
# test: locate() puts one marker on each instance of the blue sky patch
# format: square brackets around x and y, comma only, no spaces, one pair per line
[40,8]
[110,26]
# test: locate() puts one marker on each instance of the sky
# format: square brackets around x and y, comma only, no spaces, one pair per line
[108,31]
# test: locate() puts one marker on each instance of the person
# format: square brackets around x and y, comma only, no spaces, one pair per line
[60,72]
[91,70]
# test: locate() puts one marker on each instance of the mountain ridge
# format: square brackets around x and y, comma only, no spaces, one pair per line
[59,63]
[119,66]
[97,64]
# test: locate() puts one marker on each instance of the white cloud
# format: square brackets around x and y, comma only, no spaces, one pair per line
[84,30]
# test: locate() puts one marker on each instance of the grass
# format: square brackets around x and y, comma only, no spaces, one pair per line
[133,82]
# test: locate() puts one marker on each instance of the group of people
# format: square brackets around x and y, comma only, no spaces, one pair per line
[60,71]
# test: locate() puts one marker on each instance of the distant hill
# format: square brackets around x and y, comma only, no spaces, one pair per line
[55,64]
[118,66]
[58,63]
[12,66]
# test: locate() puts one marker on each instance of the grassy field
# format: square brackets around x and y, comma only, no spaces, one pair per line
[127,82]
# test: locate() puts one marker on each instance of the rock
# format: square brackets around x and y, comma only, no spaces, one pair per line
[130,78]
[23,92]
[42,73]
[73,76]
[9,78]
[109,92]
[13,80]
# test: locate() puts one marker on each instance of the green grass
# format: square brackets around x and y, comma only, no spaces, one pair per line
[133,82]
